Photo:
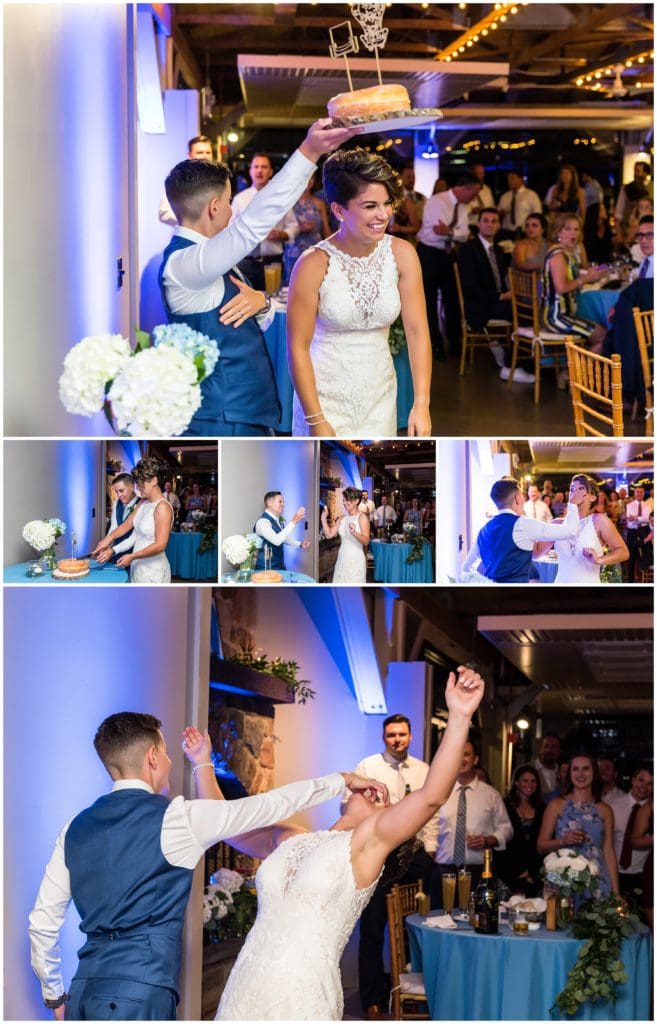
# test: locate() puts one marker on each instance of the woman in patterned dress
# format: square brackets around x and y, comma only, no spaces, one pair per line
[562,280]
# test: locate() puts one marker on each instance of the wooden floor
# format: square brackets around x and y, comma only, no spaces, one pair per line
[479,404]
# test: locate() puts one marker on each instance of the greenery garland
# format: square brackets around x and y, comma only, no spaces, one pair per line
[285,670]
[417,542]
[208,528]
[598,969]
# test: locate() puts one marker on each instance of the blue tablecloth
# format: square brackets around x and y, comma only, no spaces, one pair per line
[594,304]
[99,573]
[275,337]
[390,564]
[287,574]
[546,568]
[185,560]
[514,977]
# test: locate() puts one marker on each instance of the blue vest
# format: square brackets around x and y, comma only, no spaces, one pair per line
[501,558]
[130,899]
[277,552]
[242,386]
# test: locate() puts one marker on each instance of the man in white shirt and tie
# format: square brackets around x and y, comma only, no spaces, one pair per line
[385,513]
[444,225]
[271,249]
[535,507]
[472,820]
[630,862]
[516,205]
[637,514]
[483,199]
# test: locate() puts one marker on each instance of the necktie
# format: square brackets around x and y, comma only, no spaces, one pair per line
[626,851]
[644,268]
[533,510]
[401,784]
[459,835]
[494,267]
[638,515]
[513,211]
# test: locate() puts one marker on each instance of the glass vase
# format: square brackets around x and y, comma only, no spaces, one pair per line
[49,558]
[565,912]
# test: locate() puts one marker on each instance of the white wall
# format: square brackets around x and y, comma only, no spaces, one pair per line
[63,479]
[248,469]
[72,657]
[66,69]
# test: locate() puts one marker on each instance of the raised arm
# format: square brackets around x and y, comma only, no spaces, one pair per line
[377,835]
[197,746]
[329,531]
[416,328]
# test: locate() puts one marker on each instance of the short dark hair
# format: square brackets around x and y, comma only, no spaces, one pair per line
[396,720]
[263,156]
[122,478]
[488,209]
[271,494]
[541,218]
[348,171]
[146,469]
[648,219]
[466,178]
[193,183]
[503,491]
[117,734]
[643,768]
[196,139]
[644,164]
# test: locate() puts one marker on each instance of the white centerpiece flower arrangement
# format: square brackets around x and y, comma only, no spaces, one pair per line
[241,549]
[229,905]
[152,390]
[42,535]
[570,872]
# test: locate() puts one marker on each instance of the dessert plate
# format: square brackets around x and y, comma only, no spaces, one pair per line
[391,121]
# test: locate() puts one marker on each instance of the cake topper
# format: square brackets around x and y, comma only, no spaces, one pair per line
[343,41]
[370,19]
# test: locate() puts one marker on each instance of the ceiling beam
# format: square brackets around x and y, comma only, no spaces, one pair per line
[186,61]
[553,41]
[429,24]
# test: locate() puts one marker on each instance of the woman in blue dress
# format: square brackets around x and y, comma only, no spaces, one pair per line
[581,821]
[312,215]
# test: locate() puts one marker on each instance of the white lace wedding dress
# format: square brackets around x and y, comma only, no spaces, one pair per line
[355,375]
[155,568]
[574,567]
[308,905]
[351,566]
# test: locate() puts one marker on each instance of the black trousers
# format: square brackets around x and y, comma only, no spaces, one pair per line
[438,276]
[371,975]
[636,545]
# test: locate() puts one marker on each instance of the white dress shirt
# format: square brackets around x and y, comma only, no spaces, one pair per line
[632,509]
[124,543]
[265,530]
[527,531]
[193,277]
[483,198]
[622,809]
[166,214]
[385,514]
[527,201]
[538,510]
[287,223]
[548,777]
[368,507]
[485,815]
[397,775]
[441,207]
[189,828]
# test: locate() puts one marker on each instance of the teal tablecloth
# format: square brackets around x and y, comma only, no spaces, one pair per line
[287,574]
[275,337]
[594,304]
[390,564]
[98,574]
[547,569]
[185,560]
[514,977]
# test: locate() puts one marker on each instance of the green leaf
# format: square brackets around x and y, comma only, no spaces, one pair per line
[143,339]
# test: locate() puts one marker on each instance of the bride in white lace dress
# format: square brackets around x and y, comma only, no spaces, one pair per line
[151,522]
[313,887]
[597,543]
[344,294]
[354,532]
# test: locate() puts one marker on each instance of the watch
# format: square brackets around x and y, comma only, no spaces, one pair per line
[52,1004]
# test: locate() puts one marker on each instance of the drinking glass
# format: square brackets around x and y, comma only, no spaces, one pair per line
[449,891]
[465,882]
[272,278]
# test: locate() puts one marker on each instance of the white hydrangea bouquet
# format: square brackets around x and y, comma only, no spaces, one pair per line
[229,905]
[241,547]
[409,528]
[152,390]
[570,872]
[42,535]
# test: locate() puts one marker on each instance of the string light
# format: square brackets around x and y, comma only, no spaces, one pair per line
[592,79]
[490,23]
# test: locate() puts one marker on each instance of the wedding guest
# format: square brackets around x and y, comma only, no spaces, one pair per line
[385,513]
[275,532]
[643,839]
[198,148]
[642,179]
[132,918]
[547,762]
[529,252]
[195,501]
[559,504]
[608,771]
[444,224]
[483,200]
[413,515]
[312,217]
[402,773]
[126,500]
[566,195]
[637,512]
[516,204]
[439,185]
[171,496]
[581,821]
[519,864]
[472,819]
[408,216]
[344,295]
[535,507]
[562,280]
[631,860]
[199,289]
[505,544]
[367,505]
[270,249]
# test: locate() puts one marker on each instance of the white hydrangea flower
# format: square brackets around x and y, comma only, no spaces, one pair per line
[88,368]
[39,534]
[236,549]
[202,350]
[593,868]
[552,862]
[155,394]
[58,526]
[227,881]
[578,864]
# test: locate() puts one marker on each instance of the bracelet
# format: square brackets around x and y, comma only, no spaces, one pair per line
[267,305]
[197,767]
[52,1004]
[314,416]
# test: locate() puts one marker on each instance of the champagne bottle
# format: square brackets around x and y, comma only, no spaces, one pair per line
[487,900]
